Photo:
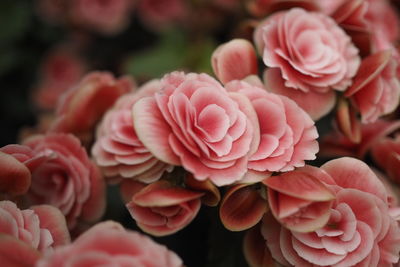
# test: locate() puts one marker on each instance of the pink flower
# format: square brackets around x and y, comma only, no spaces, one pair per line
[160,14]
[313,53]
[234,60]
[300,200]
[15,177]
[376,89]
[60,70]
[118,150]
[196,123]
[162,208]
[82,106]
[287,134]
[359,232]
[64,177]
[109,244]
[41,227]
[104,16]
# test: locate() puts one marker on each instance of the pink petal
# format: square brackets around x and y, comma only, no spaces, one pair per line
[242,207]
[15,253]
[162,193]
[353,173]
[15,177]
[315,104]
[234,60]
[152,129]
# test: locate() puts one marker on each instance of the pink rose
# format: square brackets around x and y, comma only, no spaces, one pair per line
[162,208]
[118,150]
[287,134]
[313,53]
[160,14]
[82,106]
[60,70]
[41,227]
[63,176]
[359,232]
[194,122]
[376,89]
[109,244]
[106,17]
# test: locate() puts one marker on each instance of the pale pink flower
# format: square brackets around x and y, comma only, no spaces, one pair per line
[82,106]
[60,70]
[359,232]
[234,60]
[194,122]
[41,227]
[63,176]
[109,244]
[311,50]
[287,134]
[376,89]
[162,208]
[118,150]
[104,16]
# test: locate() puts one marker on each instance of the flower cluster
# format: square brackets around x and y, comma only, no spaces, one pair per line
[241,135]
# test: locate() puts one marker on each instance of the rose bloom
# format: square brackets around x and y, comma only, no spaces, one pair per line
[162,208]
[109,244]
[82,106]
[41,227]
[311,50]
[376,89]
[360,230]
[118,150]
[194,122]
[64,177]
[287,134]
[60,70]
[106,17]
[313,54]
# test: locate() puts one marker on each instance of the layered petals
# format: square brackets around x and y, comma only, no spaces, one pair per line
[118,150]
[161,208]
[109,244]
[311,50]
[196,123]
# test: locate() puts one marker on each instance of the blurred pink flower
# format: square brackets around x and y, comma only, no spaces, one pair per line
[313,53]
[359,232]
[234,60]
[160,14]
[287,134]
[83,105]
[386,153]
[63,176]
[41,227]
[196,123]
[103,16]
[60,70]
[162,208]
[376,89]
[15,177]
[109,244]
[118,150]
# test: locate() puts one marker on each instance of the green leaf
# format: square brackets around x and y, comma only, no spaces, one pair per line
[166,56]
